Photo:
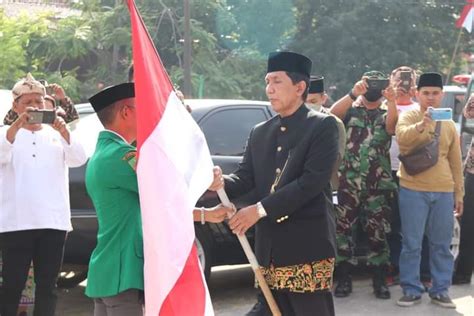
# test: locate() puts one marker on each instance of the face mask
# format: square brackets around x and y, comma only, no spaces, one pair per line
[373,95]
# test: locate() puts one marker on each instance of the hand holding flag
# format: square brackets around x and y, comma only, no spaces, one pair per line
[174,169]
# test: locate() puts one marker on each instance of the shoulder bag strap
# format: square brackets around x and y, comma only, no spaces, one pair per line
[437,130]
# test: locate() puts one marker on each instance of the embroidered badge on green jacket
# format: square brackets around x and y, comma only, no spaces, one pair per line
[131,159]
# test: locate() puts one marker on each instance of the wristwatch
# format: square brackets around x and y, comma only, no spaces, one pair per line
[351,95]
[261,210]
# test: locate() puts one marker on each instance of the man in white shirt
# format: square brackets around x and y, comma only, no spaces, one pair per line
[34,199]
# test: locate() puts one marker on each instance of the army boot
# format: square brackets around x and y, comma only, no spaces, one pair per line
[378,282]
[344,280]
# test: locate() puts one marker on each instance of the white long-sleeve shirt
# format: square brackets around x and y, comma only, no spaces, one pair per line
[394,149]
[34,179]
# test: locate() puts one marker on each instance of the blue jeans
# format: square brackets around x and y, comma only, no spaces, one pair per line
[429,213]
[394,239]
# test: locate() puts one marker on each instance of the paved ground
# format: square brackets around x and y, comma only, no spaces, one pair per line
[232,295]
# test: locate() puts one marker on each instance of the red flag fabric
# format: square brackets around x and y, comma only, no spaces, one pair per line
[174,169]
[467,16]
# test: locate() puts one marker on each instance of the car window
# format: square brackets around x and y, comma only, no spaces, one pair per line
[454,100]
[227,130]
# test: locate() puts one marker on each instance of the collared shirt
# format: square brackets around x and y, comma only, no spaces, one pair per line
[118,135]
[366,163]
[34,183]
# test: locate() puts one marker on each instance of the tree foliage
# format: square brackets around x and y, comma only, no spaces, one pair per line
[231,40]
[345,38]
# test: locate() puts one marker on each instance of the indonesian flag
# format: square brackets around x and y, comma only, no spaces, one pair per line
[467,16]
[174,169]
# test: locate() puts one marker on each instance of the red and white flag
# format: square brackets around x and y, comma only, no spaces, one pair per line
[174,169]
[467,16]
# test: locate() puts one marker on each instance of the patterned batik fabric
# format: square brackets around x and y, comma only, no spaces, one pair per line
[301,278]
[470,159]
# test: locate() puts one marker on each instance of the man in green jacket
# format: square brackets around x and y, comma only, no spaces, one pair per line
[116,267]
[115,279]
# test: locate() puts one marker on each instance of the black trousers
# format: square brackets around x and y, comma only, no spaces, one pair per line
[465,261]
[45,247]
[299,304]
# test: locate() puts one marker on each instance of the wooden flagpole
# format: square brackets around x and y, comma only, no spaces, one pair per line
[450,68]
[253,261]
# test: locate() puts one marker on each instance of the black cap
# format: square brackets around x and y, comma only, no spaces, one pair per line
[112,94]
[290,62]
[430,79]
[316,84]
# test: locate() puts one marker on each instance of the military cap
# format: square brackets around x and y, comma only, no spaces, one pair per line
[290,62]
[374,74]
[430,79]
[112,94]
[316,84]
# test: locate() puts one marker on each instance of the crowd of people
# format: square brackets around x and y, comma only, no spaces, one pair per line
[365,146]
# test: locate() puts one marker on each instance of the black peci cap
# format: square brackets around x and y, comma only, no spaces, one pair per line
[290,62]
[430,79]
[316,84]
[112,94]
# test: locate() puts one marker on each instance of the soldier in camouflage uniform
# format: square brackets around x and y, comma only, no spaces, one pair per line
[64,106]
[365,179]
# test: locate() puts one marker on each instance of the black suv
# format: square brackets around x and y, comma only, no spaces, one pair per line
[226,125]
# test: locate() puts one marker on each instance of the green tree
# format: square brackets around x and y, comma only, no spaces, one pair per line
[16,34]
[345,38]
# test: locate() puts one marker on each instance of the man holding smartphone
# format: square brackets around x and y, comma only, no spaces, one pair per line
[58,101]
[34,160]
[428,199]
[403,79]
[365,178]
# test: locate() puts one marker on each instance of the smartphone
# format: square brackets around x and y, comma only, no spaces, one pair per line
[42,117]
[49,90]
[377,84]
[405,80]
[441,114]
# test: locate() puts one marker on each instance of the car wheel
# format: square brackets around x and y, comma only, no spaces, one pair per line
[456,240]
[72,278]
[204,249]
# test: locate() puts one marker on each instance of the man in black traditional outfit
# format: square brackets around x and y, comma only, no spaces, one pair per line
[288,163]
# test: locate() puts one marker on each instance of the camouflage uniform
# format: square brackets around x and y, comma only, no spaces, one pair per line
[365,184]
[66,104]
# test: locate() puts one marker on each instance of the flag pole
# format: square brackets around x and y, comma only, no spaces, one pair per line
[452,57]
[253,261]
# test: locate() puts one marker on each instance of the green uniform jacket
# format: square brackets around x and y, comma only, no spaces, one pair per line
[111,181]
